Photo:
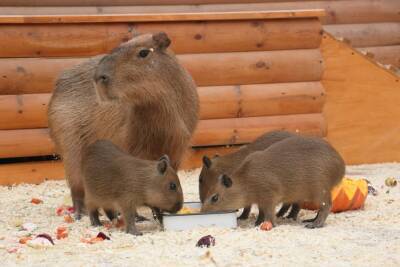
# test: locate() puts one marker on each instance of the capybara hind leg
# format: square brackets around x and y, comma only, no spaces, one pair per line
[269,214]
[129,216]
[282,211]
[294,212]
[77,195]
[245,214]
[325,208]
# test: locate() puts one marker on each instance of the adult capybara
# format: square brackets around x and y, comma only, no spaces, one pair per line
[295,170]
[138,96]
[213,168]
[116,181]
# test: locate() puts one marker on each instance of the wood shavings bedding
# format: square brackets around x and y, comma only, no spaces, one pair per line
[369,237]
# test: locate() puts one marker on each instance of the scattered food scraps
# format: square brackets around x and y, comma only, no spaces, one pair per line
[64,210]
[25,239]
[98,238]
[36,201]
[266,226]
[206,241]
[188,210]
[372,190]
[391,182]
[41,241]
[68,219]
[103,236]
[12,250]
[62,232]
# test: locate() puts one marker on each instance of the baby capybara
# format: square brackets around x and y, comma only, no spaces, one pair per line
[213,168]
[115,180]
[138,96]
[294,170]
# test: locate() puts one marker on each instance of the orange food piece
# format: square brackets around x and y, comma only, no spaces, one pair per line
[68,219]
[62,232]
[36,201]
[266,226]
[25,239]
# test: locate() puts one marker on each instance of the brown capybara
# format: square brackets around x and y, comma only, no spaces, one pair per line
[294,170]
[213,168]
[138,96]
[117,181]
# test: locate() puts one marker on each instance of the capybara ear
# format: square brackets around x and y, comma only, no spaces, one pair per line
[226,180]
[162,166]
[207,161]
[161,39]
[165,157]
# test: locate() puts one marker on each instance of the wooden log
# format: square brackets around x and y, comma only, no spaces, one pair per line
[44,40]
[23,111]
[36,142]
[174,16]
[371,34]
[261,100]
[362,109]
[25,143]
[31,172]
[30,110]
[385,54]
[37,75]
[244,130]
[63,3]
[337,12]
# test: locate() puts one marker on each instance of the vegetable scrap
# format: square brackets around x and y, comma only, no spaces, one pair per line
[41,241]
[206,241]
[64,210]
[61,232]
[24,239]
[36,201]
[30,227]
[266,226]
[68,218]
[98,238]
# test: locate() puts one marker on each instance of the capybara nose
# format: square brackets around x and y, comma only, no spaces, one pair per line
[177,207]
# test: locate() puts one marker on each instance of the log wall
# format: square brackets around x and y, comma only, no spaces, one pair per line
[253,74]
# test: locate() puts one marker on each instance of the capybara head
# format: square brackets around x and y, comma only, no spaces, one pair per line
[165,191]
[208,176]
[133,69]
[225,195]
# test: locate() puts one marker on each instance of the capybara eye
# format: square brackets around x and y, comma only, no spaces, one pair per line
[200,180]
[214,199]
[144,52]
[172,186]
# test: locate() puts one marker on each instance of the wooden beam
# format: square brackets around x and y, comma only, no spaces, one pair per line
[30,110]
[36,142]
[38,75]
[368,34]
[151,17]
[337,12]
[71,40]
[362,106]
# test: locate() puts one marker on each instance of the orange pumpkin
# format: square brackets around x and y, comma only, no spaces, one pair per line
[348,195]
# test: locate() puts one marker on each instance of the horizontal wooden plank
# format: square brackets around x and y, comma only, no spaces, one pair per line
[385,54]
[369,34]
[150,17]
[21,143]
[244,130]
[38,75]
[36,142]
[44,40]
[30,110]
[261,100]
[23,111]
[37,172]
[38,3]
[337,12]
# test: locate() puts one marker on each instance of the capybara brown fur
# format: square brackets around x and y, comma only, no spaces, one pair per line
[117,181]
[295,170]
[138,96]
[213,168]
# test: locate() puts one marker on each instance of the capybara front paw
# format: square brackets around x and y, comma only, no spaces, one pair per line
[314,225]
